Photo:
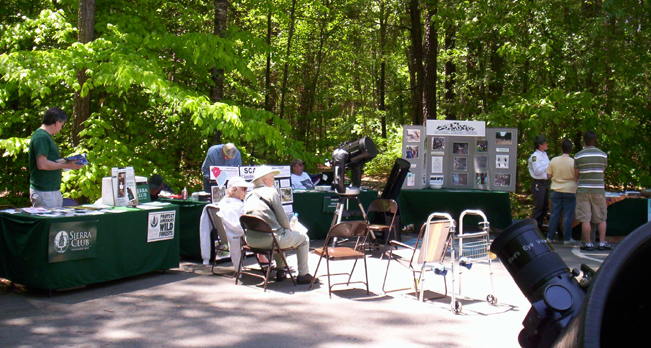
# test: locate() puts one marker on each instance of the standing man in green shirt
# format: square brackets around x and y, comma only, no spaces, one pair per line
[589,167]
[44,170]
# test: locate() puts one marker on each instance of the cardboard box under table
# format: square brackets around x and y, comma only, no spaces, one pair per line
[64,252]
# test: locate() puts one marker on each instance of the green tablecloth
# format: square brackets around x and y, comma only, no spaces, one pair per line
[626,215]
[309,206]
[121,241]
[417,205]
[190,246]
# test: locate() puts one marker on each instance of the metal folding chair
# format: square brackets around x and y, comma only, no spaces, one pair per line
[427,254]
[351,230]
[379,210]
[250,224]
[219,238]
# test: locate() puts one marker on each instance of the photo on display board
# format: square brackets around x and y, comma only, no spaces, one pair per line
[411,152]
[460,148]
[460,164]
[459,179]
[413,135]
[482,145]
[218,193]
[286,195]
[438,145]
[503,138]
[481,178]
[481,162]
[437,164]
[502,179]
[502,161]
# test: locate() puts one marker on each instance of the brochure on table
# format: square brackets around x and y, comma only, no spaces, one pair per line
[460,155]
[124,187]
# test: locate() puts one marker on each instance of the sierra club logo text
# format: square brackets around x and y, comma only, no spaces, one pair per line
[74,241]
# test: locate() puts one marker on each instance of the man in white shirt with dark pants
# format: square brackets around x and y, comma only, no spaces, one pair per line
[538,163]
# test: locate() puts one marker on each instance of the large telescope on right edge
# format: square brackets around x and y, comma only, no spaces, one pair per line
[613,311]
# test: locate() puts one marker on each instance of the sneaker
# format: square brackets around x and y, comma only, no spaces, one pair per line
[604,246]
[588,246]
[571,241]
[306,279]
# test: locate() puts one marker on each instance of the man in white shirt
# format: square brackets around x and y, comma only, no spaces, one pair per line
[300,179]
[231,207]
[538,163]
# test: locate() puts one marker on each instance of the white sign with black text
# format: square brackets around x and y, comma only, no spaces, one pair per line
[160,226]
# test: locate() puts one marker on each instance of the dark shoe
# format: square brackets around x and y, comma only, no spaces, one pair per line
[280,276]
[604,246]
[588,246]
[306,279]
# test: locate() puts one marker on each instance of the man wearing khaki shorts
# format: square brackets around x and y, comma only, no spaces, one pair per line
[589,167]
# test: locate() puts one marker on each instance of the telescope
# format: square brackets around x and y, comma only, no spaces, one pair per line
[606,308]
[352,155]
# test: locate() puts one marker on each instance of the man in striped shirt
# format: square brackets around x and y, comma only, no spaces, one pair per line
[589,167]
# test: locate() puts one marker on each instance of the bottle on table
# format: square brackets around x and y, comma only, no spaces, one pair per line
[293,221]
[185,193]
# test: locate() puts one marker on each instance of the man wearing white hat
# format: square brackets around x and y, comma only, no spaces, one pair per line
[264,202]
[231,207]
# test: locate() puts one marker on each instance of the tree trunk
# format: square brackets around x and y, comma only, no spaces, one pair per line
[382,80]
[290,35]
[416,62]
[86,27]
[450,71]
[430,62]
[217,90]
[267,84]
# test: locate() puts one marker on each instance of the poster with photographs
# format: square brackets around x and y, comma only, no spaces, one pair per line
[438,145]
[437,164]
[502,161]
[460,148]
[502,179]
[481,179]
[413,136]
[286,195]
[411,151]
[503,138]
[218,193]
[482,146]
[459,179]
[481,163]
[460,164]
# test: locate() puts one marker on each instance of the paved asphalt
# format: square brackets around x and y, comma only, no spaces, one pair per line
[191,307]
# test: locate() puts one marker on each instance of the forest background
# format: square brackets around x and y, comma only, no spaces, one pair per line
[153,83]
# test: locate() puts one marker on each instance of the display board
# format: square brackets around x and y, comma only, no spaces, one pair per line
[413,150]
[461,155]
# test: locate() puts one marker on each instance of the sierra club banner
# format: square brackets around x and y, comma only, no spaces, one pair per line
[161,226]
[72,241]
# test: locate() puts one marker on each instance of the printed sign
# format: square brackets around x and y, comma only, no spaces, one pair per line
[72,241]
[160,226]
[456,128]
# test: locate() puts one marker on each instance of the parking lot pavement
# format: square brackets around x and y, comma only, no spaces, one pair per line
[191,307]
